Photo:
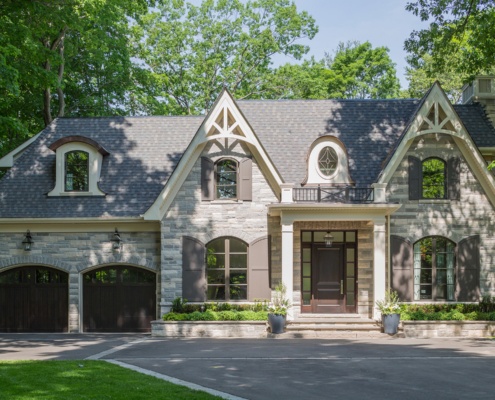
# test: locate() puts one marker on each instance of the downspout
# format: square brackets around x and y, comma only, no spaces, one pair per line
[388,254]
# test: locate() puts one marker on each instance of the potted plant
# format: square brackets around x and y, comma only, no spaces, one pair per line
[390,310]
[277,312]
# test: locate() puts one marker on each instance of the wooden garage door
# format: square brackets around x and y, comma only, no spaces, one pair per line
[119,299]
[34,299]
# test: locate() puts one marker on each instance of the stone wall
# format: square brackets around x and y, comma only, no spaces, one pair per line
[188,215]
[471,215]
[77,253]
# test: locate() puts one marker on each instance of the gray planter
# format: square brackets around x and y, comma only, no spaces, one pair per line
[276,322]
[390,323]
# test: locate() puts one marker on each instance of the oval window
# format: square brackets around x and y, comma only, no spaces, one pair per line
[327,161]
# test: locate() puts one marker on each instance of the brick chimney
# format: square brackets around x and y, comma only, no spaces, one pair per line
[481,90]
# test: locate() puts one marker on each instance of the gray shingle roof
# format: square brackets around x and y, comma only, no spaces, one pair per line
[144,151]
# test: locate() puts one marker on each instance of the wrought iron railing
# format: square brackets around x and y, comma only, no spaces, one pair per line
[334,194]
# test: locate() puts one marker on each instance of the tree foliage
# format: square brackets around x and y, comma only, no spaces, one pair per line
[461,28]
[190,52]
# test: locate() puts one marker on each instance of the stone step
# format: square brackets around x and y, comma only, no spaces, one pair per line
[332,327]
[331,320]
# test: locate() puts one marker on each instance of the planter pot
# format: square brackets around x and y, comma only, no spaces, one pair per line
[390,323]
[276,322]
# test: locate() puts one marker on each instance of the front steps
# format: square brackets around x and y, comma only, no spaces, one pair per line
[350,326]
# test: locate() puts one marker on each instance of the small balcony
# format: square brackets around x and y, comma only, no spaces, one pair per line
[335,194]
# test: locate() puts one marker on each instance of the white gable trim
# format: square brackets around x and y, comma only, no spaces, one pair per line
[7,161]
[240,130]
[460,135]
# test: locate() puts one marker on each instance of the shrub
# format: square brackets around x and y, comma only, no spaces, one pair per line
[210,315]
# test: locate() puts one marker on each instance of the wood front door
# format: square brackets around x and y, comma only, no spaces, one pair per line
[328,279]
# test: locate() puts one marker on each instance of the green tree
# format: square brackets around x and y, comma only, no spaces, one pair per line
[421,74]
[361,71]
[51,55]
[190,52]
[461,28]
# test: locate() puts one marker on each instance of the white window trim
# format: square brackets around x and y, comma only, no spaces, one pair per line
[94,170]
[341,174]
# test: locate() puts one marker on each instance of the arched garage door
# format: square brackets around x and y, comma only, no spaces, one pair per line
[119,299]
[34,299]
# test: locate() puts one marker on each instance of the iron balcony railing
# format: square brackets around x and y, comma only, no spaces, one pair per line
[340,194]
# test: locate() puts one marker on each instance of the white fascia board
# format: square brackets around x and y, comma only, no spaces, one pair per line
[7,161]
[77,225]
[331,212]
[193,152]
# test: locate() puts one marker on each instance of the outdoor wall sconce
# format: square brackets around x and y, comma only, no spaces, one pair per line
[28,241]
[117,240]
[328,239]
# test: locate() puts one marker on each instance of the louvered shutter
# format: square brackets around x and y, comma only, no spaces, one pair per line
[193,269]
[401,260]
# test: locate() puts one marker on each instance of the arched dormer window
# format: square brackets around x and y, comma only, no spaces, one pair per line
[328,163]
[78,166]
[434,173]
[226,179]
[76,171]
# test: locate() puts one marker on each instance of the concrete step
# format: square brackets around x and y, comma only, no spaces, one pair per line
[332,327]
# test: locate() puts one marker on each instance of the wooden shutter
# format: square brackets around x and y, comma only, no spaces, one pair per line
[259,269]
[415,178]
[453,178]
[468,269]
[402,262]
[207,179]
[193,269]
[246,179]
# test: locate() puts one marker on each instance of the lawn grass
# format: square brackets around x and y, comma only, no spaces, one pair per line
[23,380]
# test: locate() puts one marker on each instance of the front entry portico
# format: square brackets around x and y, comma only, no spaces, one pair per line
[348,277]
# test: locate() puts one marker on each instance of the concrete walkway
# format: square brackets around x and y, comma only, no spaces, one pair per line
[389,368]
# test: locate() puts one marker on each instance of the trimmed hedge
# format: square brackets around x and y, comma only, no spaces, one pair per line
[210,315]
[483,311]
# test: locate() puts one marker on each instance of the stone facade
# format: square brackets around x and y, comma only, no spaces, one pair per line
[77,253]
[188,215]
[453,219]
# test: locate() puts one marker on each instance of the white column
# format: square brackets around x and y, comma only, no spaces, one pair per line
[287,189]
[380,192]
[379,263]
[288,262]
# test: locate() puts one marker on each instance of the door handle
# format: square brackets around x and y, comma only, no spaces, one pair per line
[341,286]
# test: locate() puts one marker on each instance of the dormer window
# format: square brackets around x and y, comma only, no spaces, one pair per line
[78,167]
[327,161]
[76,171]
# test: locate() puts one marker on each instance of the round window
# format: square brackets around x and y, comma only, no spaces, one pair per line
[327,161]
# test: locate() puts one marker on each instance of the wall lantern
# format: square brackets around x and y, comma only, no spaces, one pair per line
[328,239]
[28,241]
[117,240]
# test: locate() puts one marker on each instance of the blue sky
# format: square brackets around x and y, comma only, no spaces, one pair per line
[381,22]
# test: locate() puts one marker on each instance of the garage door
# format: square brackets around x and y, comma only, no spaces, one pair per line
[34,299]
[119,299]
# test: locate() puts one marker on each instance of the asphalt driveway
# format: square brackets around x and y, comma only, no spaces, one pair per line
[290,369]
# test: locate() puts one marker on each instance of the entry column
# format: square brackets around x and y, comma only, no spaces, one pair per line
[288,261]
[379,260]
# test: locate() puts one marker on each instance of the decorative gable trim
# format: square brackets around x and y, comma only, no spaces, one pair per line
[436,115]
[225,121]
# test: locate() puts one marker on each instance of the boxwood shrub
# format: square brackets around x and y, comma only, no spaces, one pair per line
[482,311]
[209,315]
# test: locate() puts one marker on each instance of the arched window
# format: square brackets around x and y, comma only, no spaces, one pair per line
[434,179]
[226,179]
[76,171]
[434,269]
[226,269]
